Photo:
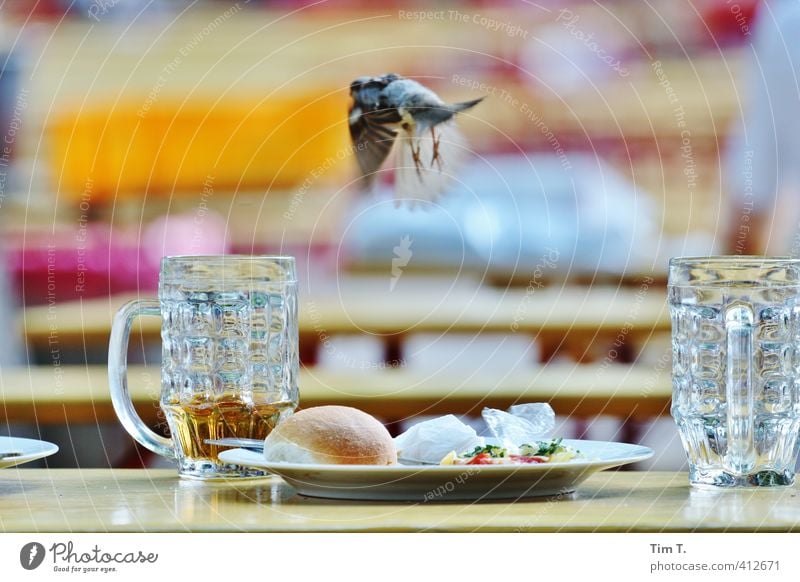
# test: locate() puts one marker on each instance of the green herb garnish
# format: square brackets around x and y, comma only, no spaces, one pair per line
[493,450]
[543,448]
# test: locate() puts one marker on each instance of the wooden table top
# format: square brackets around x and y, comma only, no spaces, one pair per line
[366,306]
[133,500]
[48,395]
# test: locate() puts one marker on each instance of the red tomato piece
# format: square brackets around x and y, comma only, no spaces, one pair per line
[481,459]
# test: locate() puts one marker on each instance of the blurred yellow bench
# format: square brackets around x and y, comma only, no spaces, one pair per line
[556,317]
[79,394]
[164,146]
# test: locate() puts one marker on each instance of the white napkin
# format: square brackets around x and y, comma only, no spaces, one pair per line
[430,441]
[522,424]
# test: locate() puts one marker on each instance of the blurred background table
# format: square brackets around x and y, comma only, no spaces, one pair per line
[364,305]
[80,394]
[554,316]
[432,346]
[100,500]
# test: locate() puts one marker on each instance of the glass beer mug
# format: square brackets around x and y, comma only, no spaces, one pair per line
[229,356]
[736,367]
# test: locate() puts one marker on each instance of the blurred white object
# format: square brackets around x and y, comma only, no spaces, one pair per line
[540,414]
[762,166]
[517,213]
[120,11]
[202,232]
[537,213]
[688,244]
[11,352]
[567,427]
[485,352]
[512,430]
[572,55]
[662,436]
[10,344]
[432,440]
[603,428]
[350,352]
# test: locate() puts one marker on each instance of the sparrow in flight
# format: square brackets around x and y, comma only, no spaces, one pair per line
[391,108]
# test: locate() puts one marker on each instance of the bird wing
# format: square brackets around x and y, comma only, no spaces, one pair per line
[372,137]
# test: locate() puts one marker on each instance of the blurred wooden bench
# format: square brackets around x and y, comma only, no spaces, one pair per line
[557,318]
[47,395]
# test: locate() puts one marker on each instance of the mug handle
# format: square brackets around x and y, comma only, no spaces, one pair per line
[741,456]
[118,376]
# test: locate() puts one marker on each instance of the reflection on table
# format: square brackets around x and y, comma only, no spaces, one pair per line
[36,500]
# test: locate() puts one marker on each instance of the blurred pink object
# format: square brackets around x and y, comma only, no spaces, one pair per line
[184,234]
[96,260]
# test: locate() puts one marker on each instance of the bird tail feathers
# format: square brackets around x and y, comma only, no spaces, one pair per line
[464,105]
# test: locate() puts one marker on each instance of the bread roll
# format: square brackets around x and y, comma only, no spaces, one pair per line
[337,435]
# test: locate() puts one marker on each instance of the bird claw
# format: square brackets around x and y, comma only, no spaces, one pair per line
[435,157]
[416,157]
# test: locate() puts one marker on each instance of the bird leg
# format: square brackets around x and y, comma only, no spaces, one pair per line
[415,157]
[435,157]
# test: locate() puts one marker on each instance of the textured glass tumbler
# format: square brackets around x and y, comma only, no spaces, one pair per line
[229,356]
[736,368]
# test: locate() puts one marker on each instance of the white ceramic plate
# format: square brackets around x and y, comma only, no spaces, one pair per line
[29,450]
[446,483]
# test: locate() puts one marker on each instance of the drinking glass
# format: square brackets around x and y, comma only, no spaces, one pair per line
[229,361]
[736,367]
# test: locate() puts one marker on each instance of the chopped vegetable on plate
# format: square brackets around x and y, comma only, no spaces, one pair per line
[550,451]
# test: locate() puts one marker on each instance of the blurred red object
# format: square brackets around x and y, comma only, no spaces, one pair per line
[40,10]
[96,260]
[732,20]
[86,262]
